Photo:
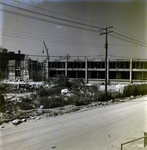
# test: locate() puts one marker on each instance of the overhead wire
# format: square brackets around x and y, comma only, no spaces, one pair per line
[89,56]
[32,17]
[117,35]
[119,44]
[65,56]
[49,16]
[126,40]
[137,58]
[65,15]
[45,20]
[45,37]
[86,21]
[141,40]
[53,40]
[129,38]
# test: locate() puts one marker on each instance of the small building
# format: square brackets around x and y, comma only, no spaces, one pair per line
[12,65]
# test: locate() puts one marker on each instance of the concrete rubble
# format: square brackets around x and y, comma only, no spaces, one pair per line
[21,107]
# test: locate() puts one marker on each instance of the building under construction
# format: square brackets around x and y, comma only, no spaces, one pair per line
[127,70]
[13,66]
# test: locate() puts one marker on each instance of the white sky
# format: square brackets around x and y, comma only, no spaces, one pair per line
[25,30]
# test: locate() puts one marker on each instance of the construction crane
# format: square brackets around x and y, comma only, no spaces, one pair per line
[47,59]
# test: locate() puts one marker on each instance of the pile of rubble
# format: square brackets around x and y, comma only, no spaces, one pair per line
[19,116]
[22,107]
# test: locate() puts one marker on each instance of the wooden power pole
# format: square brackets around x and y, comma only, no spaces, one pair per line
[106,31]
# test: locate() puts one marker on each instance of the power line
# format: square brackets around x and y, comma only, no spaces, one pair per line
[53,17]
[128,57]
[88,56]
[119,36]
[123,39]
[59,13]
[53,41]
[53,38]
[131,35]
[132,39]
[119,44]
[44,20]
[65,56]
[32,17]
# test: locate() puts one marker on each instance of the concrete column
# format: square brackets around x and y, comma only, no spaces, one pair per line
[130,70]
[108,71]
[66,67]
[86,71]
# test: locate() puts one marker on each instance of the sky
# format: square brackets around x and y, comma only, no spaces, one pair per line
[73,27]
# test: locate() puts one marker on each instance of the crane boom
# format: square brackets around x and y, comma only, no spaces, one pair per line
[47,73]
[46,50]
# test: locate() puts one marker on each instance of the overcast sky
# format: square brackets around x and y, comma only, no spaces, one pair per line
[71,27]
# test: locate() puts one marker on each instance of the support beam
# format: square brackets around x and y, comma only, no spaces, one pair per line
[86,70]
[66,68]
[131,70]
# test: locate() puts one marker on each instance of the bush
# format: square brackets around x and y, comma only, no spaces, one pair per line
[130,90]
[62,81]
[43,91]
[69,100]
[26,106]
[56,102]
[82,101]
[135,89]
[116,95]
[102,96]
[27,103]
[77,83]
[50,102]
[2,103]
[7,88]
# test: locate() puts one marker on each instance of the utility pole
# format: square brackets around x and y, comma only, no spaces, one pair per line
[106,31]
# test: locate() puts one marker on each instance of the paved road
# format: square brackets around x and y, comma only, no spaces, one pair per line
[98,129]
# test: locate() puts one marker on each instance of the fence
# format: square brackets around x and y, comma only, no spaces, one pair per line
[144,137]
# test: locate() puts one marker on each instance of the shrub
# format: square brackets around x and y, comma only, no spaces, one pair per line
[27,103]
[82,101]
[130,90]
[26,106]
[62,81]
[57,102]
[69,100]
[77,83]
[43,91]
[135,90]
[7,88]
[102,96]
[2,103]
[116,95]
[45,101]
[50,102]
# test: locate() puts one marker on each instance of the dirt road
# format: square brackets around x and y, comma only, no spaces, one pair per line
[104,128]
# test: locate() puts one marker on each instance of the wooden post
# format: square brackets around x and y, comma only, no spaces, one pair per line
[145,139]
